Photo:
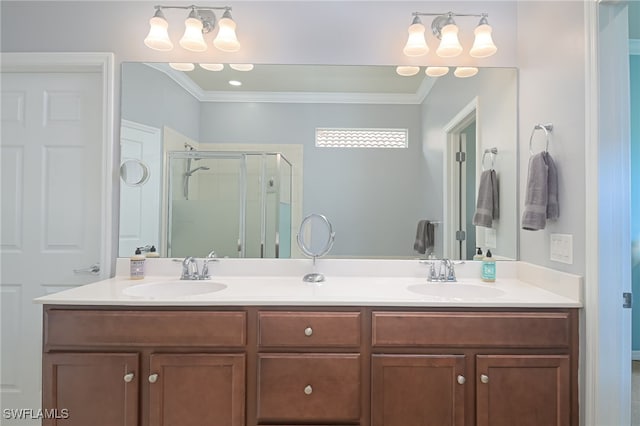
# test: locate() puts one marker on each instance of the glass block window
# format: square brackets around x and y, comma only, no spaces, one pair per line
[361,138]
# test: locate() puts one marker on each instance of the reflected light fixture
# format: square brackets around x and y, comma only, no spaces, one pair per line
[212,67]
[464,72]
[436,71]
[445,28]
[182,66]
[200,21]
[235,83]
[407,71]
[241,67]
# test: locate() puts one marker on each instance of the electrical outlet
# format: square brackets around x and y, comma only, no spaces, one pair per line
[561,248]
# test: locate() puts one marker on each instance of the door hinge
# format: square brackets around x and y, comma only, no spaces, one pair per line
[627,300]
[461,235]
[461,156]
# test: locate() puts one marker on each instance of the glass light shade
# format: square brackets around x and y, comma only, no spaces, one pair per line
[464,72]
[192,38]
[241,67]
[416,43]
[436,71]
[235,83]
[483,43]
[449,44]
[407,71]
[212,67]
[226,39]
[158,37]
[182,66]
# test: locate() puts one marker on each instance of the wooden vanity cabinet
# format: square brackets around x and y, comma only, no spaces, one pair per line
[309,367]
[128,367]
[485,368]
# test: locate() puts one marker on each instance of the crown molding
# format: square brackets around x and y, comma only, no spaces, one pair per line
[294,97]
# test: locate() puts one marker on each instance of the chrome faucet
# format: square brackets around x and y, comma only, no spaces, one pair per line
[446,272]
[211,257]
[189,269]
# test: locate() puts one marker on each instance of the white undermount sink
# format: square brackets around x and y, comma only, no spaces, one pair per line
[176,288]
[455,290]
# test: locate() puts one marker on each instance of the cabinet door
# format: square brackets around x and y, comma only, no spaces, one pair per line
[417,390]
[523,390]
[197,389]
[98,389]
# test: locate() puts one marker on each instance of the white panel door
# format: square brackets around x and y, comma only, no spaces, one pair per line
[140,205]
[51,154]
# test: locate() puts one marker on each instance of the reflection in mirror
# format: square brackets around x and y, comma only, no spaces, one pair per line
[375,196]
[134,172]
[315,239]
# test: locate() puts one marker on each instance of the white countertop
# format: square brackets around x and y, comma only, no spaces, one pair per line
[348,283]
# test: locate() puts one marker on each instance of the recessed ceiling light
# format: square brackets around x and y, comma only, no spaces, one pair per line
[235,83]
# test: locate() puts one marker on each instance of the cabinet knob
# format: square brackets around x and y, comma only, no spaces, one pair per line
[308,390]
[128,377]
[484,378]
[153,378]
[308,331]
[461,379]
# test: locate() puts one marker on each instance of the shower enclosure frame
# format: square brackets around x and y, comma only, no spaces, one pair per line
[242,156]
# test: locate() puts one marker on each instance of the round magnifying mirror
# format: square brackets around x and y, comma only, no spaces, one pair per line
[315,239]
[134,172]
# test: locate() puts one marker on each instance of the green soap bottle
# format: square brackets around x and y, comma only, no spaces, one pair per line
[488,268]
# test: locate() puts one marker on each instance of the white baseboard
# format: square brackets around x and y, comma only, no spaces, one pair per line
[635,355]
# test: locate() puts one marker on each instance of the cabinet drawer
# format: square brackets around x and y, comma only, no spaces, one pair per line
[68,328]
[309,388]
[309,329]
[478,329]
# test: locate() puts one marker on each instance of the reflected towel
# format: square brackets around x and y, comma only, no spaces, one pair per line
[425,239]
[488,205]
[541,199]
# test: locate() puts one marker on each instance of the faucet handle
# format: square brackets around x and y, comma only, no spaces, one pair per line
[211,257]
[189,269]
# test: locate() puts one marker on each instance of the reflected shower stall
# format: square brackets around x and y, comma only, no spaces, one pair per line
[237,204]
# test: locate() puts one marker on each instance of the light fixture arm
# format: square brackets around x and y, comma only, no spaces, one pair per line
[442,19]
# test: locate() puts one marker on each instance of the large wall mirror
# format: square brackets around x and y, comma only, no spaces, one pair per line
[378,198]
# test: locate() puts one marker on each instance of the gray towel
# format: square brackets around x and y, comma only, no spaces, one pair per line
[541,199]
[488,205]
[425,240]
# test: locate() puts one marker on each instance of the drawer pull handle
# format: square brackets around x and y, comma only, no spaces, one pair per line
[153,378]
[484,378]
[308,331]
[308,390]
[461,379]
[128,377]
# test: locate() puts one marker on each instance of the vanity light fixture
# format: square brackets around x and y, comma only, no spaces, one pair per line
[212,67]
[436,71]
[201,20]
[464,72]
[235,83]
[445,28]
[407,71]
[241,67]
[182,66]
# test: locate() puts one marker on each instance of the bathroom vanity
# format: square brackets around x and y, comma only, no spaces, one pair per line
[271,350]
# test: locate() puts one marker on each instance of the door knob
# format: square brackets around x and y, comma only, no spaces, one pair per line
[93,269]
[153,378]
[308,390]
[461,379]
[308,331]
[128,377]
[484,378]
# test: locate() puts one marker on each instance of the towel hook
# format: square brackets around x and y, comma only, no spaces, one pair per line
[492,155]
[547,128]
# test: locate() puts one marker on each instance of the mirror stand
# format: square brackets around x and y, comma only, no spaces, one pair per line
[315,239]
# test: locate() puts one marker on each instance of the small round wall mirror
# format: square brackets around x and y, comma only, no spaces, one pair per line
[134,172]
[315,239]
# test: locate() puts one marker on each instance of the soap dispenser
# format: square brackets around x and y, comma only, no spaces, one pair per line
[137,265]
[478,255]
[153,252]
[488,268]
